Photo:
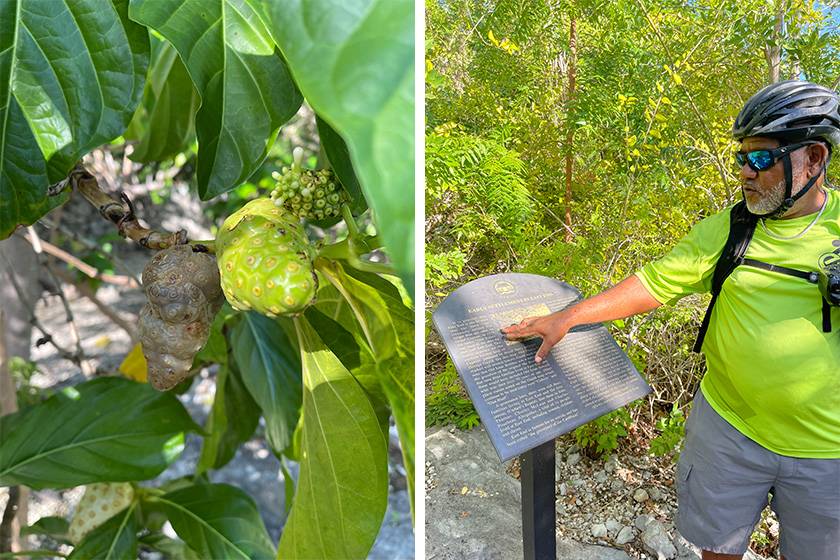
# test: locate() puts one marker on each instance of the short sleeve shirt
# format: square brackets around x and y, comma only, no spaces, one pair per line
[771,370]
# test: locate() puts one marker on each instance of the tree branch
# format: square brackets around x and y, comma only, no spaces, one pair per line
[121,213]
[82,266]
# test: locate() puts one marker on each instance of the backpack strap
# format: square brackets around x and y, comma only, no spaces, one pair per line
[741,227]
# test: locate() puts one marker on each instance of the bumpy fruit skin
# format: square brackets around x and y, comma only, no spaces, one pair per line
[308,194]
[265,260]
[184,293]
[100,502]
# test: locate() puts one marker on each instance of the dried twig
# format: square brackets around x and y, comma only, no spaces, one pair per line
[103,307]
[82,266]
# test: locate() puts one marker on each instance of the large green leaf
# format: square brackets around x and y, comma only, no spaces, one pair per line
[270,369]
[396,372]
[245,87]
[71,75]
[387,326]
[163,124]
[113,540]
[108,429]
[232,420]
[218,521]
[343,488]
[354,63]
[339,158]
[357,359]
[171,548]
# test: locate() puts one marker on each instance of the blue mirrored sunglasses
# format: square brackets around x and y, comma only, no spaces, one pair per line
[762,160]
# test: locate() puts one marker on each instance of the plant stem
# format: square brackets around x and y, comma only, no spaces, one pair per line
[352,227]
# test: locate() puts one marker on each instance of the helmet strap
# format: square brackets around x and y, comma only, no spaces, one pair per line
[789,200]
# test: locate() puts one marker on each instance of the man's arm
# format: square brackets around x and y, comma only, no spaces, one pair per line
[628,297]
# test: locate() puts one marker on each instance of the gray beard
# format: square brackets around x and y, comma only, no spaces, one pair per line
[769,201]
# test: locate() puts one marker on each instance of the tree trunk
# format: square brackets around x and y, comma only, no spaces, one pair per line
[570,130]
[773,51]
[18,258]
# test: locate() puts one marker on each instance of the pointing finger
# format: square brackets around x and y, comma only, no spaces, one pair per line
[545,348]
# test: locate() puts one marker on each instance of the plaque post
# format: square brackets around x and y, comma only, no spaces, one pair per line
[539,526]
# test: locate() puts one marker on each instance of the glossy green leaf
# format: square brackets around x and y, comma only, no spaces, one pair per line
[367,306]
[55,107]
[387,326]
[218,521]
[51,526]
[339,158]
[107,429]
[232,421]
[163,124]
[357,359]
[113,540]
[246,90]
[176,549]
[354,63]
[343,487]
[270,368]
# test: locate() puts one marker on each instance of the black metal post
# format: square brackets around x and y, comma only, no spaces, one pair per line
[538,512]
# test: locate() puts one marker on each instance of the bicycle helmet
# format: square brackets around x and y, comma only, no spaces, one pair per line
[791,111]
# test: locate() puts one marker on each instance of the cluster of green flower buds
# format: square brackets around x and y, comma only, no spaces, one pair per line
[306,193]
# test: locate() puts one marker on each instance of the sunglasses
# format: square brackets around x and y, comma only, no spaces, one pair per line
[762,160]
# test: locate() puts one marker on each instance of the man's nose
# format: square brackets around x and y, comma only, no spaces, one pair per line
[748,172]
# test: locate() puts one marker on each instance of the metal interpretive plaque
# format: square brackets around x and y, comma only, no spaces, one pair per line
[521,403]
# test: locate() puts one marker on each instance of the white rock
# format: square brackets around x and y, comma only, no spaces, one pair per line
[573,459]
[626,535]
[600,477]
[562,489]
[655,494]
[642,521]
[613,526]
[640,495]
[599,530]
[657,541]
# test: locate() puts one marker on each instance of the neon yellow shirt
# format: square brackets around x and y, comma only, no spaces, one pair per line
[771,370]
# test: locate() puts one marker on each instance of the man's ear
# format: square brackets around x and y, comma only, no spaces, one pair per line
[817,157]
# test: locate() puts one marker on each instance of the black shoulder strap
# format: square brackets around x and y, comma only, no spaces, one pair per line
[741,227]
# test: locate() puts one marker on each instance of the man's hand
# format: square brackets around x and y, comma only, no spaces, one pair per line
[551,328]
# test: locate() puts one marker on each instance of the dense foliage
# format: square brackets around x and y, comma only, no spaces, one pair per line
[657,86]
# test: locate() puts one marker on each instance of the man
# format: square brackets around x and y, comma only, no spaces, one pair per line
[766,419]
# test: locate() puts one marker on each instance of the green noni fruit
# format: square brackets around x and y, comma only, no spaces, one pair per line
[265,260]
[306,193]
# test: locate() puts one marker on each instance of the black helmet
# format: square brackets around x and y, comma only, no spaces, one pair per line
[791,111]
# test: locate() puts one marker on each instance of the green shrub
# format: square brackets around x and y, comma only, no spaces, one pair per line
[599,437]
[446,404]
[672,430]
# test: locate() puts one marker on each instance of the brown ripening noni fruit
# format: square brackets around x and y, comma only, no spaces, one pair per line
[184,293]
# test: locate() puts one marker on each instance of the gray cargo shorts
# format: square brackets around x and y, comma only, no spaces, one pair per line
[723,482]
